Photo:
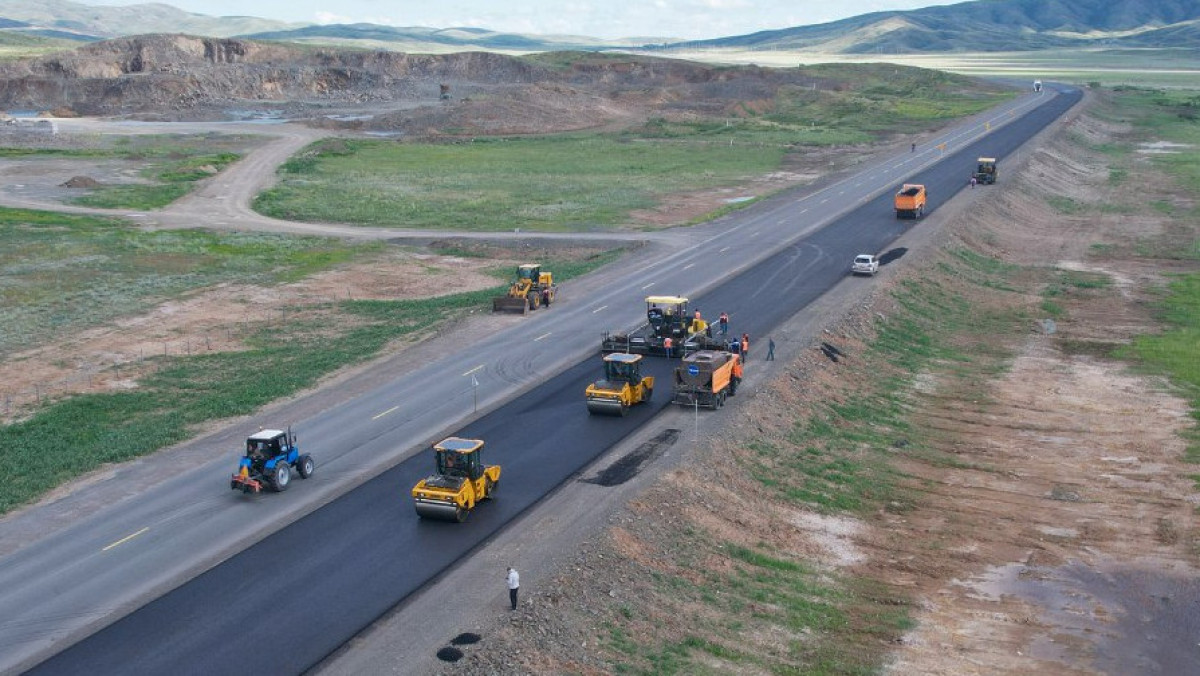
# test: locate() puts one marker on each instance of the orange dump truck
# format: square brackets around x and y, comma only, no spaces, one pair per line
[910,201]
[706,378]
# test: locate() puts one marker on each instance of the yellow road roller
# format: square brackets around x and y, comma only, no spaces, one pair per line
[622,387]
[461,482]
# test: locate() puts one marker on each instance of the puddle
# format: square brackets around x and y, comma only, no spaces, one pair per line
[1127,621]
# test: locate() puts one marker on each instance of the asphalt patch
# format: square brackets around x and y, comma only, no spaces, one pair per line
[892,255]
[449,654]
[628,467]
[465,638]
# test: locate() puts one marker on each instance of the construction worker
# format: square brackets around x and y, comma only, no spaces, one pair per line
[698,324]
[745,346]
[667,345]
[737,376]
[724,323]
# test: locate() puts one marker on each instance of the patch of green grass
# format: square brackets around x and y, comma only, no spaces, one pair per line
[60,273]
[557,183]
[1065,205]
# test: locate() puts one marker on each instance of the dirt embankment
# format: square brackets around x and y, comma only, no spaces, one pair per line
[1059,537]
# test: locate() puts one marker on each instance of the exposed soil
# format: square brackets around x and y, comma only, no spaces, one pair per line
[1062,541]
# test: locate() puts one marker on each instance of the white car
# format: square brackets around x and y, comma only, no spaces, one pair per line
[864,264]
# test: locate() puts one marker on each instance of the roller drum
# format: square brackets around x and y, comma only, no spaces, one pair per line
[440,511]
[606,407]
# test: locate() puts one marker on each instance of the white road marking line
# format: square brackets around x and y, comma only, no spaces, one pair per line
[804,210]
[647,286]
[390,410]
[472,370]
[689,265]
[125,539]
[723,250]
[544,335]
[754,234]
[599,309]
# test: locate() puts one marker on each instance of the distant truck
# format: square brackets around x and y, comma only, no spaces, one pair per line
[910,201]
[706,378]
[985,171]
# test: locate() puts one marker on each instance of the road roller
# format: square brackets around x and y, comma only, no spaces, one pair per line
[461,481]
[622,386]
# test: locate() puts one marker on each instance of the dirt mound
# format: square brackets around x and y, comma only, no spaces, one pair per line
[81,182]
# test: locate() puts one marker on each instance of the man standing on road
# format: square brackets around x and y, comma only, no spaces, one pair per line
[724,322]
[514,583]
[770,349]
[745,346]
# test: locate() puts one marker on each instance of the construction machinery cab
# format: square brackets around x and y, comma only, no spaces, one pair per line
[623,368]
[985,170]
[667,316]
[459,458]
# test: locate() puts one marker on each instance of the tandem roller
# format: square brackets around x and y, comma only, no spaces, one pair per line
[461,481]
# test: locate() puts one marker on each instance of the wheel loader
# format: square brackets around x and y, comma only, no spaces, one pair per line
[622,386]
[461,481]
[531,290]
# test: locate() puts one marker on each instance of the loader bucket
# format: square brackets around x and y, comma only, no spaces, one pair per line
[510,304]
[440,511]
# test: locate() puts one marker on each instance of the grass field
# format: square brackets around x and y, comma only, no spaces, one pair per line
[61,273]
[593,181]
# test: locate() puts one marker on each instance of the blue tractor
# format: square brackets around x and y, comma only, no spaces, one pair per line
[268,462]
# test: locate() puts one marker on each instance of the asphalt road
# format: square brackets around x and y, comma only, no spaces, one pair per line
[284,603]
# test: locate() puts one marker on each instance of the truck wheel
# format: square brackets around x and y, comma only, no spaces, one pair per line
[306,466]
[281,476]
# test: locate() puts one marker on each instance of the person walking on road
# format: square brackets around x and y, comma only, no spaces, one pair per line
[514,583]
[724,323]
[914,148]
[745,346]
[770,349]
[973,182]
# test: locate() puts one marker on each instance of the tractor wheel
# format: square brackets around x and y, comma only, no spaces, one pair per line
[281,476]
[306,466]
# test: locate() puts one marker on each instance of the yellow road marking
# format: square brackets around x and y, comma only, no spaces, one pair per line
[377,417]
[125,539]
[472,370]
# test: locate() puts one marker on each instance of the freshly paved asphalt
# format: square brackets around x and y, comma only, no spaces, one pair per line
[283,604]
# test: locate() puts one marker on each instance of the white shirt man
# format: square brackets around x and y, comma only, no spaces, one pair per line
[514,583]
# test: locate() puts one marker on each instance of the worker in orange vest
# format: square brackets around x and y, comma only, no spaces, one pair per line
[667,345]
[745,345]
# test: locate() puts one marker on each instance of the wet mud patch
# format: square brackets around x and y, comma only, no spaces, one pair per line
[632,462]
[892,255]
[466,638]
[449,654]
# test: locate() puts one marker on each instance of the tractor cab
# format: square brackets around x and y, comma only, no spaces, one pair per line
[265,445]
[621,367]
[459,458]
[985,170]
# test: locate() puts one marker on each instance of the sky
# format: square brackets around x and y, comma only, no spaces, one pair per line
[688,19]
